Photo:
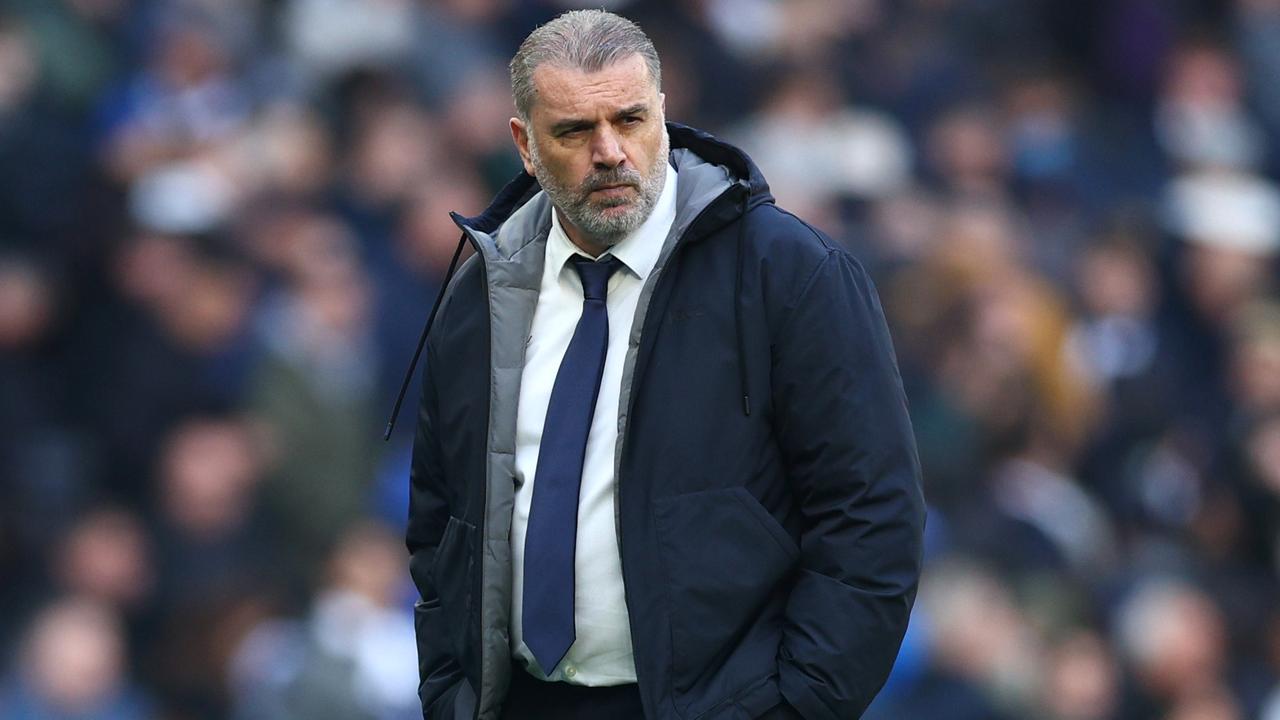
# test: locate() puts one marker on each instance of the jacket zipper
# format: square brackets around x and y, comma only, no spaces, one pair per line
[478,580]
[681,242]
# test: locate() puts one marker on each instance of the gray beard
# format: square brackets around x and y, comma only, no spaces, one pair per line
[588,216]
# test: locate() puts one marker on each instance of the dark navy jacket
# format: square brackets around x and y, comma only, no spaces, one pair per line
[767,487]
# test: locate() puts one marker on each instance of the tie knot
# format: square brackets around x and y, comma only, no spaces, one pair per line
[595,275]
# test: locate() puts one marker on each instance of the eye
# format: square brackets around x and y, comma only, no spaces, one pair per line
[632,120]
[572,133]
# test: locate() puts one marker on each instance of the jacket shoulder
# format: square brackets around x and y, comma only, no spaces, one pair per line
[790,252]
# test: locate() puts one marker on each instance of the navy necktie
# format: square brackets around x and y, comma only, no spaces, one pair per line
[552,533]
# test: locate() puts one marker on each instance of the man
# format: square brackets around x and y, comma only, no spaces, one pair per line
[663,467]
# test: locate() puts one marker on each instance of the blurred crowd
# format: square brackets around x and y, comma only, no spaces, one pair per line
[223,223]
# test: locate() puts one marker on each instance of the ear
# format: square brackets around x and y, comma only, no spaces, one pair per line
[520,134]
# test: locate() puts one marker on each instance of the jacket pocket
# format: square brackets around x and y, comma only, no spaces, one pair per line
[768,522]
[454,577]
[724,557]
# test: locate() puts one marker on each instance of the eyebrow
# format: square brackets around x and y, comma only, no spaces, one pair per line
[637,109]
[579,124]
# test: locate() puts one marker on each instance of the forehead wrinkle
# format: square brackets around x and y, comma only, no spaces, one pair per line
[571,93]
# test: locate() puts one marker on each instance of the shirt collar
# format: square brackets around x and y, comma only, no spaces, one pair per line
[638,251]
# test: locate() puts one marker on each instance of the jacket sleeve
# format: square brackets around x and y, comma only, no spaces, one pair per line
[440,675]
[851,459]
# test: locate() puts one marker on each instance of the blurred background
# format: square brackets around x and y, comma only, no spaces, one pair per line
[223,222]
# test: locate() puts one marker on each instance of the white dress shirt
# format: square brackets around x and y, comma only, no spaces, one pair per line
[601,653]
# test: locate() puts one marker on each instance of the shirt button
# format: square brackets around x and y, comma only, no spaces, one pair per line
[570,671]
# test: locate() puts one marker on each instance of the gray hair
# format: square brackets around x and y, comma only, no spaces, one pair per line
[587,40]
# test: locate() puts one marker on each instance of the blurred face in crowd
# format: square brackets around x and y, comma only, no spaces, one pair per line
[1263,450]
[367,562]
[1176,640]
[75,655]
[1219,280]
[26,305]
[597,143]
[1081,680]
[106,556]
[210,469]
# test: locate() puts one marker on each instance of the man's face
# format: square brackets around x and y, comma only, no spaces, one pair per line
[598,145]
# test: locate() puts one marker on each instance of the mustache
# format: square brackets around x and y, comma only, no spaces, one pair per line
[606,178]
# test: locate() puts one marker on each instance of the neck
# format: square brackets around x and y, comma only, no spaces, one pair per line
[579,238]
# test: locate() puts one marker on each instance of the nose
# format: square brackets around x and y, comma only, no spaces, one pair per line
[606,150]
